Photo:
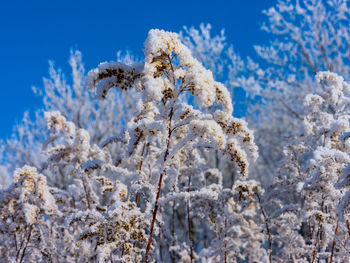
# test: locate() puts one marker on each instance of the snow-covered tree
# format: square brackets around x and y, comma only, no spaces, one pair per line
[307,36]
[308,205]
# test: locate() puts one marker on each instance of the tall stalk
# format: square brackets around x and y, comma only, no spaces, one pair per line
[156,205]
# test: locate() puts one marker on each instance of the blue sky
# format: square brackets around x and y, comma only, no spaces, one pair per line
[33,32]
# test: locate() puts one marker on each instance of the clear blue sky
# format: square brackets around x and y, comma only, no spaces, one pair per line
[33,32]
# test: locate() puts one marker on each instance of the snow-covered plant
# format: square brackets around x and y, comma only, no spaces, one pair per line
[311,193]
[309,36]
[87,218]
[75,102]
[122,205]
[166,129]
[238,220]
[27,215]
[216,54]
[99,117]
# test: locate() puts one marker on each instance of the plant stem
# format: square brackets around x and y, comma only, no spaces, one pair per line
[86,193]
[333,245]
[189,221]
[155,210]
[28,240]
[314,253]
[173,233]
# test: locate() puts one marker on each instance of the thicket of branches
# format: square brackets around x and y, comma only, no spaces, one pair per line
[144,161]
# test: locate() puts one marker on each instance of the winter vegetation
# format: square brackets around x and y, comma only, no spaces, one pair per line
[145,160]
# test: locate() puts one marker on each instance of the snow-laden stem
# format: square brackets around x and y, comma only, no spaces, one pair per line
[27,242]
[159,187]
